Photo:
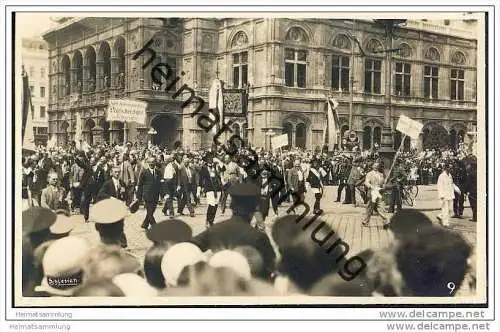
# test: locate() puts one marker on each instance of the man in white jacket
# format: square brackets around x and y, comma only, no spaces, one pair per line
[446,193]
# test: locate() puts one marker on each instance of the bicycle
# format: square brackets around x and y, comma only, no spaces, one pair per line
[409,194]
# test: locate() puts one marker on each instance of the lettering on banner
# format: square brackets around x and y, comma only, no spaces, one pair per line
[127,111]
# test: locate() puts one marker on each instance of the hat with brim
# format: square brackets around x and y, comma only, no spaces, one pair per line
[108,211]
[173,230]
[62,266]
[63,225]
[37,218]
[132,285]
[176,258]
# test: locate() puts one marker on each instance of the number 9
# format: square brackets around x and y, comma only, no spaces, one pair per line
[451,287]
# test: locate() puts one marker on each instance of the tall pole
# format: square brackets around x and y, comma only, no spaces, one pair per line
[351,79]
[387,131]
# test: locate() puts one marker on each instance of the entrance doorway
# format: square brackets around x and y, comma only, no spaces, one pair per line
[166,128]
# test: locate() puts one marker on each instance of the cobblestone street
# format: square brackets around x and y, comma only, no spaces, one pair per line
[345,219]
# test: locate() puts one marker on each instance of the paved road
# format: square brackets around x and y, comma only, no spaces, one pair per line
[345,219]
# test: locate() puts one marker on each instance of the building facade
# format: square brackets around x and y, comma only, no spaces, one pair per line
[35,55]
[422,70]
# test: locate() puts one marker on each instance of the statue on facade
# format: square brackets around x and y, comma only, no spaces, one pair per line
[91,85]
[106,83]
[121,80]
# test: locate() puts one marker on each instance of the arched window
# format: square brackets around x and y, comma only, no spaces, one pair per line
[300,140]
[105,59]
[377,135]
[296,58]
[288,129]
[119,48]
[66,68]
[367,137]
[78,66]
[90,63]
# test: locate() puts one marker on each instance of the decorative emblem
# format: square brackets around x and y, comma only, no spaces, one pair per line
[458,58]
[240,39]
[432,54]
[404,51]
[342,42]
[374,46]
[297,35]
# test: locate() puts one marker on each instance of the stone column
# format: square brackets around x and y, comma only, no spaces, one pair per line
[294,135]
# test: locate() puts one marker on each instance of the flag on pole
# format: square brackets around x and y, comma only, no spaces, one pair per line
[28,136]
[332,124]
[216,102]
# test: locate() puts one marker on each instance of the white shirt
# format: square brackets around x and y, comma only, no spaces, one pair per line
[117,185]
[445,186]
[169,172]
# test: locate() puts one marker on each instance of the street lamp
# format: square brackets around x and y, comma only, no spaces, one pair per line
[389,26]
[151,133]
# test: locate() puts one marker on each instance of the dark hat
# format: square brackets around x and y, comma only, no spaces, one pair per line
[285,229]
[37,218]
[134,206]
[172,230]
[409,222]
[244,190]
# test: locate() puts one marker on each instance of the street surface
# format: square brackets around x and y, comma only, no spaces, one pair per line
[344,218]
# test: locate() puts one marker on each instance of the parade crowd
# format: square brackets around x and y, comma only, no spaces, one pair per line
[237,256]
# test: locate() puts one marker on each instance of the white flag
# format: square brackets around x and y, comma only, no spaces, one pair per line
[332,125]
[216,102]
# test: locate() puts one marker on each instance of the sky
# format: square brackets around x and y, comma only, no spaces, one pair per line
[33,24]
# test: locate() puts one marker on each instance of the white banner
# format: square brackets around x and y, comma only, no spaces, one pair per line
[409,127]
[279,141]
[126,110]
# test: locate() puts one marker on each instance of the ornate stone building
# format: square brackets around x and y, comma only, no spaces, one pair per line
[421,70]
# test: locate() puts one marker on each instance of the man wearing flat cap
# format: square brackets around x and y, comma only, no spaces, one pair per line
[148,189]
[237,231]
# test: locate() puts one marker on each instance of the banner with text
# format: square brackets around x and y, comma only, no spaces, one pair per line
[409,127]
[279,141]
[126,110]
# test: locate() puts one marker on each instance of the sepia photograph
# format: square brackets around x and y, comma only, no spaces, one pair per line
[249,158]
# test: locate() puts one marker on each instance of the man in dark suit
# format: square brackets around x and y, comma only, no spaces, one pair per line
[148,189]
[87,184]
[100,174]
[186,181]
[113,187]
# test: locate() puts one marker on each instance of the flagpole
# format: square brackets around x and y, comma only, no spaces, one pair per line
[395,157]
